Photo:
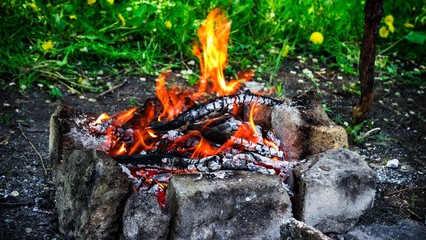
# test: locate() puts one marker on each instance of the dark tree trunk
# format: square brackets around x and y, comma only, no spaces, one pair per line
[373,14]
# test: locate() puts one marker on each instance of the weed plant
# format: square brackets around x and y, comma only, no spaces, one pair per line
[75,43]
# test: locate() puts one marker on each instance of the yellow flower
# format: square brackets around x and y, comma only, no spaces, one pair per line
[408,25]
[110,1]
[91,2]
[168,24]
[33,6]
[285,52]
[47,46]
[73,17]
[383,32]
[122,20]
[389,19]
[391,27]
[317,38]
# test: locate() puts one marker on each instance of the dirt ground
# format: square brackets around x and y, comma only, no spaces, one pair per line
[26,193]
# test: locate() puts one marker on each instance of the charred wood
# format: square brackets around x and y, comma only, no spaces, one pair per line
[219,104]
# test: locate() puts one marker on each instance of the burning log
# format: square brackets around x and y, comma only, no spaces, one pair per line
[217,105]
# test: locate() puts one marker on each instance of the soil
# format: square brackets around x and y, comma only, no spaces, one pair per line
[26,193]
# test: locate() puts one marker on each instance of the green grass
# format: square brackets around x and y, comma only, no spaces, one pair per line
[142,37]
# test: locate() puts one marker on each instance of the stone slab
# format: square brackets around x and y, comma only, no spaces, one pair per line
[244,206]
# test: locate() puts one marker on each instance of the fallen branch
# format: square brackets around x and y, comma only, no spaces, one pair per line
[111,89]
[406,189]
[372,132]
[32,145]
[17,204]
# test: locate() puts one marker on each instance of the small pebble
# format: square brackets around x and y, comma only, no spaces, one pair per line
[81,97]
[28,230]
[404,168]
[394,163]
[293,72]
[92,100]
[14,193]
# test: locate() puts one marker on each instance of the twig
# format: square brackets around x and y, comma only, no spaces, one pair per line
[406,189]
[319,74]
[391,46]
[32,145]
[409,210]
[111,89]
[16,204]
[370,133]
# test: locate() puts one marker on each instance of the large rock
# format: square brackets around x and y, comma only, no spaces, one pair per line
[143,218]
[293,229]
[334,189]
[305,129]
[403,229]
[245,206]
[90,194]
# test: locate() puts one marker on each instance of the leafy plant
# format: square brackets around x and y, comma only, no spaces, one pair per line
[60,42]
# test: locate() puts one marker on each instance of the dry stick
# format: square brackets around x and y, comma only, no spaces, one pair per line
[406,189]
[319,74]
[111,89]
[408,210]
[370,133]
[15,204]
[32,145]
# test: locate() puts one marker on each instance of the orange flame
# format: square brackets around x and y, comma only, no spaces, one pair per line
[253,111]
[141,140]
[124,117]
[101,118]
[173,100]
[213,53]
[204,149]
[122,150]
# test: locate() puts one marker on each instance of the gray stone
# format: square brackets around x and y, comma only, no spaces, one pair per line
[245,206]
[334,192]
[293,229]
[305,129]
[403,229]
[90,194]
[143,218]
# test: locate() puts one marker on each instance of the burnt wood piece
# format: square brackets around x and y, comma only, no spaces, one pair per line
[219,104]
[243,161]
[221,137]
[164,161]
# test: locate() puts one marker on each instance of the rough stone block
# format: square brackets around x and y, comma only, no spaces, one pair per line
[245,206]
[293,229]
[335,191]
[305,129]
[143,218]
[90,194]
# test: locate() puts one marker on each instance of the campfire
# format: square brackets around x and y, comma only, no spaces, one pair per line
[214,127]
[239,139]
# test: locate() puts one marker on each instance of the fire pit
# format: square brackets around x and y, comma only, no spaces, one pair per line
[219,160]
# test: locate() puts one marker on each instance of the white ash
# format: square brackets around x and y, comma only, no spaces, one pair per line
[87,140]
[172,135]
[387,175]
[254,86]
